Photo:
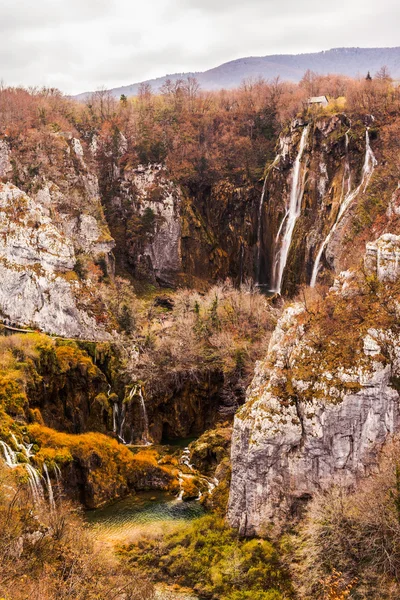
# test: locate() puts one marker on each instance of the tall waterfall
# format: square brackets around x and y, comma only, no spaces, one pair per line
[260,208]
[293,209]
[367,170]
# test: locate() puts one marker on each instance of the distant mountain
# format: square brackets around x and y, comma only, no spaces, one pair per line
[346,61]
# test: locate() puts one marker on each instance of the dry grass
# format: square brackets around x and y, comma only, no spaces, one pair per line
[48,554]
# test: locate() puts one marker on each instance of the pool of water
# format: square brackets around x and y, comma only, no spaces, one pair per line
[175,443]
[147,513]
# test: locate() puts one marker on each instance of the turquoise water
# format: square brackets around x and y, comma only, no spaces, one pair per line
[144,513]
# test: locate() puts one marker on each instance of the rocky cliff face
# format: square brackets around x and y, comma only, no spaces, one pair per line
[51,220]
[310,196]
[39,288]
[166,234]
[313,416]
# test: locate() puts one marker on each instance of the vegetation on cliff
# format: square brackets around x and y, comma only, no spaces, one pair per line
[182,359]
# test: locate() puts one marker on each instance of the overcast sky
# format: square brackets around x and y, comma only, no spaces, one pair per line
[80,45]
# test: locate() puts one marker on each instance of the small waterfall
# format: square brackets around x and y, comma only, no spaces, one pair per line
[208,482]
[145,434]
[368,168]
[26,448]
[346,185]
[49,488]
[122,420]
[57,472]
[185,459]
[35,484]
[293,209]
[115,414]
[181,491]
[259,228]
[35,479]
[9,455]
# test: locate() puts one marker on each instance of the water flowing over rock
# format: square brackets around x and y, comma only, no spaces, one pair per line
[310,199]
[368,168]
[34,477]
[293,209]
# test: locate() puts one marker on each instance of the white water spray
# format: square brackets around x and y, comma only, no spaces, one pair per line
[293,210]
[368,168]
[49,488]
[57,472]
[115,412]
[185,458]
[260,208]
[35,479]
[145,435]
[35,484]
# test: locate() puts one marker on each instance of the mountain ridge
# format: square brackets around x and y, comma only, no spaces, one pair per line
[353,62]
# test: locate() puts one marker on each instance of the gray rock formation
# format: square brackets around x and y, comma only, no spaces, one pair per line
[383,257]
[326,430]
[157,199]
[37,285]
[5,164]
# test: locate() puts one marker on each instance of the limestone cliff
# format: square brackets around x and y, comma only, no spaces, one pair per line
[38,286]
[319,193]
[324,401]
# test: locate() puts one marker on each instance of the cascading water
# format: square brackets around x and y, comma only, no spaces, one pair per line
[35,479]
[49,488]
[260,208]
[9,455]
[57,472]
[209,483]
[122,419]
[293,209]
[115,413]
[367,170]
[145,435]
[259,228]
[185,458]
[35,484]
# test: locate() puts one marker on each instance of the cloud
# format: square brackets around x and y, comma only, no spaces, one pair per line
[86,44]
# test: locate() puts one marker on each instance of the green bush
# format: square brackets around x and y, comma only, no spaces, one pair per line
[210,557]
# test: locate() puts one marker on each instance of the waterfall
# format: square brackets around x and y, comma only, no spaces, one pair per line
[9,455]
[145,435]
[115,412]
[367,170]
[259,226]
[49,488]
[181,490]
[293,209]
[185,459]
[122,423]
[26,448]
[35,479]
[57,472]
[35,483]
